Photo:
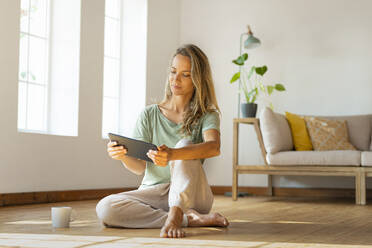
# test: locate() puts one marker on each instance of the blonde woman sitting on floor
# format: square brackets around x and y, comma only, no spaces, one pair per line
[185,126]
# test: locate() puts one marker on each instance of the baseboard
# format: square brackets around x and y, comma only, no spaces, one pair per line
[291,192]
[10,199]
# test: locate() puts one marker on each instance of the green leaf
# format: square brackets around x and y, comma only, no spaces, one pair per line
[270,89]
[251,72]
[241,59]
[261,70]
[250,93]
[246,96]
[237,62]
[251,96]
[23,74]
[279,87]
[33,76]
[245,56]
[262,87]
[255,96]
[253,99]
[235,77]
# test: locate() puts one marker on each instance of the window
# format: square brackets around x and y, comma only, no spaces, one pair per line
[111,85]
[33,65]
[49,67]
[124,65]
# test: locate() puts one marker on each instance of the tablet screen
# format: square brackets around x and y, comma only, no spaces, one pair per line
[135,148]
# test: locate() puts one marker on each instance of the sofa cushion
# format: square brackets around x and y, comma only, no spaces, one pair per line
[366,159]
[301,138]
[328,134]
[326,158]
[359,129]
[276,132]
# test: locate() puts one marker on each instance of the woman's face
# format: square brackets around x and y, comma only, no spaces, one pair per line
[180,76]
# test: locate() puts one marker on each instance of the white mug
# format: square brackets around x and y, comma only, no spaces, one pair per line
[61,217]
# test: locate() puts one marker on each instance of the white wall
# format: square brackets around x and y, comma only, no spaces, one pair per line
[163,40]
[320,50]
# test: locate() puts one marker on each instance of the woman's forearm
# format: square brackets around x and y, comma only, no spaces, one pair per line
[134,165]
[196,151]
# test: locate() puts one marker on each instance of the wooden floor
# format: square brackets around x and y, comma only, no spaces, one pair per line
[255,222]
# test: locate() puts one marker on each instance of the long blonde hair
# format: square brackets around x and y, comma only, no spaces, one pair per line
[204,97]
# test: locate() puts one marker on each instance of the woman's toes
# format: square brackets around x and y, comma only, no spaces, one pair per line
[226,222]
[163,233]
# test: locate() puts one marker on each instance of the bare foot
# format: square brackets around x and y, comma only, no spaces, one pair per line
[213,219]
[172,227]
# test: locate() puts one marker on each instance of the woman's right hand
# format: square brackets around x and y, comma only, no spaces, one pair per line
[116,152]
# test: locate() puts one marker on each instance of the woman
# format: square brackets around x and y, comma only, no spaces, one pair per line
[185,126]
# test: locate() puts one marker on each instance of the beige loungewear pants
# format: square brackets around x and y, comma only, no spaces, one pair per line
[148,207]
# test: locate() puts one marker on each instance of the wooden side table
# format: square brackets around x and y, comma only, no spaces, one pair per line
[239,168]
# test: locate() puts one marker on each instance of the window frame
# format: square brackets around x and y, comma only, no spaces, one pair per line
[119,60]
[46,71]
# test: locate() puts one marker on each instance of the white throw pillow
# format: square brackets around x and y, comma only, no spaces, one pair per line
[276,132]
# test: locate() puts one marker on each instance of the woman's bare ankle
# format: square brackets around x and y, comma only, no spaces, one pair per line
[175,214]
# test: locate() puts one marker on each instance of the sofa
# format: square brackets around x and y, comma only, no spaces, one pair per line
[276,142]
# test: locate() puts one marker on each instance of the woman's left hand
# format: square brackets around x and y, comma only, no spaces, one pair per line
[162,156]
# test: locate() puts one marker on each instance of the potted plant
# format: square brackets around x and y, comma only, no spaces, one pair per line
[252,85]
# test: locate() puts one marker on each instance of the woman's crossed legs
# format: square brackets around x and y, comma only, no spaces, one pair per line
[186,201]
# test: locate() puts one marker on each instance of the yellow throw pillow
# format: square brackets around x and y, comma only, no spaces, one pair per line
[300,136]
[328,134]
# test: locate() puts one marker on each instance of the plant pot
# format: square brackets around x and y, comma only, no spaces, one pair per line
[248,109]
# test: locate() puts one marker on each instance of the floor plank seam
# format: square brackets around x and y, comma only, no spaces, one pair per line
[102,242]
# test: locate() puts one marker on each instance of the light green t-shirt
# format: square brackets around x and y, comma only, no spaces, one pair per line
[153,127]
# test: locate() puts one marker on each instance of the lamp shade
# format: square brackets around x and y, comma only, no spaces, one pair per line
[251,42]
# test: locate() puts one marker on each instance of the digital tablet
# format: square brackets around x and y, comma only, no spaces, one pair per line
[135,148]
